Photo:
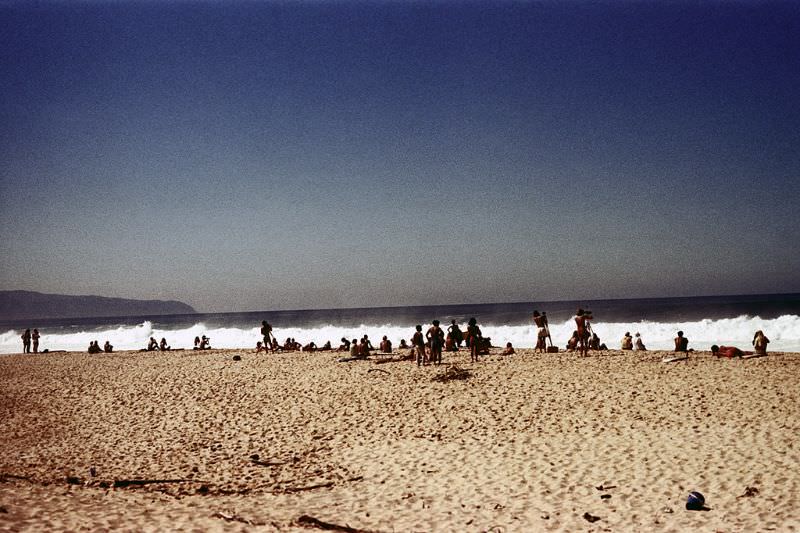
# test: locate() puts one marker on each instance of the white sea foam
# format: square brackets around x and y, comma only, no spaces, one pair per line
[784,332]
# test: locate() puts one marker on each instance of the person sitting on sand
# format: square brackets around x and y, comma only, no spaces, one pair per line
[205,343]
[509,349]
[196,343]
[345,346]
[681,343]
[152,345]
[386,345]
[403,345]
[163,345]
[354,350]
[326,347]
[456,333]
[310,347]
[573,341]
[727,351]
[594,342]
[365,347]
[638,345]
[627,341]
[94,347]
[760,342]
[260,347]
[450,344]
[107,347]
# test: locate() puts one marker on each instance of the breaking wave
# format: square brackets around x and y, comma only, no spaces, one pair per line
[784,333]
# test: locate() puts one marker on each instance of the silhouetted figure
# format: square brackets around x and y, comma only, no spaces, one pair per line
[681,343]
[26,341]
[35,338]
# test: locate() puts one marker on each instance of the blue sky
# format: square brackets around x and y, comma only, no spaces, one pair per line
[256,156]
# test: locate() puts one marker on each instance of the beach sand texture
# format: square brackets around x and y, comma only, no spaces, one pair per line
[530,442]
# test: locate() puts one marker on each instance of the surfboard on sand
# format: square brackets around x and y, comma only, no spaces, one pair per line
[754,355]
[674,358]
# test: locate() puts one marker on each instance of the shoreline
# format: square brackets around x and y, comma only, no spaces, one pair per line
[522,442]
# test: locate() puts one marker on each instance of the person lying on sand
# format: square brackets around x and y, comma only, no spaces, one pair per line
[310,347]
[260,347]
[727,351]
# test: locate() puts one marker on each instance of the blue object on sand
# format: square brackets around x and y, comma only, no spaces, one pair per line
[695,501]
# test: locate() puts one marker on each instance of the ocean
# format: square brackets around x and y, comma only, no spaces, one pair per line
[706,320]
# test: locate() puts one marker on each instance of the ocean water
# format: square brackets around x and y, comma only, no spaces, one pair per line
[728,320]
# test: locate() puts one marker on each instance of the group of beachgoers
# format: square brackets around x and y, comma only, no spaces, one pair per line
[426,348]
[29,338]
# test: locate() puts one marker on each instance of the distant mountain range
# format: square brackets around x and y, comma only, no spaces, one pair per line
[17,305]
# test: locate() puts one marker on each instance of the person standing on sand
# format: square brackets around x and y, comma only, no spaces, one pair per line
[435,335]
[474,338]
[418,342]
[541,331]
[266,332]
[582,319]
[35,338]
[26,341]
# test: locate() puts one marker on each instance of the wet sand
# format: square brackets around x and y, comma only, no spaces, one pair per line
[529,442]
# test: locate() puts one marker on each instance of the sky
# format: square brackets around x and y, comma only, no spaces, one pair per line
[289,155]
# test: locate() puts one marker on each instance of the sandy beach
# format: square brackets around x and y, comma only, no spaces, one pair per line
[530,442]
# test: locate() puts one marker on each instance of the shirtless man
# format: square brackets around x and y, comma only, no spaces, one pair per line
[582,319]
[681,343]
[435,336]
[727,351]
[266,331]
[542,332]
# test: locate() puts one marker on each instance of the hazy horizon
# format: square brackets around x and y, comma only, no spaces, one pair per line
[262,156]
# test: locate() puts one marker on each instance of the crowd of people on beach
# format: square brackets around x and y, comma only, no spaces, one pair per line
[426,348]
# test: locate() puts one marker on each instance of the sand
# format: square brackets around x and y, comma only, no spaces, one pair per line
[529,442]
